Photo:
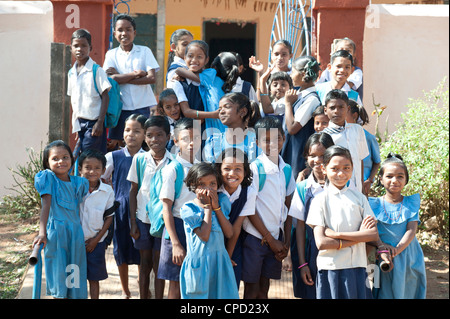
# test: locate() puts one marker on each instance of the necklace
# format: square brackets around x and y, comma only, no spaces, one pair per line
[398,214]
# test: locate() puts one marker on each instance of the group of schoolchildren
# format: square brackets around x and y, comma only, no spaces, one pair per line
[220,183]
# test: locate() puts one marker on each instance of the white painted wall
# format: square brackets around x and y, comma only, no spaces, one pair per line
[406,52]
[26,33]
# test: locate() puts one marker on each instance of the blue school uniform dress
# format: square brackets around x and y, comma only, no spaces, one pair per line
[65,252]
[292,151]
[407,280]
[207,272]
[374,154]
[124,251]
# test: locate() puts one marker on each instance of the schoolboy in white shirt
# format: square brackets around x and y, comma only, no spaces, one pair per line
[269,234]
[134,67]
[99,199]
[348,135]
[89,106]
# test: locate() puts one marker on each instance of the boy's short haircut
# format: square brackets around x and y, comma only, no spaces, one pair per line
[159,121]
[125,17]
[320,110]
[341,54]
[82,33]
[92,153]
[336,95]
[280,76]
[184,123]
[267,123]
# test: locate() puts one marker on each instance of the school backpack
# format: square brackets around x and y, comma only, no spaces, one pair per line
[115,104]
[287,170]
[154,206]
[108,212]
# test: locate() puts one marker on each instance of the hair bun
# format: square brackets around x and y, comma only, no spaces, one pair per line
[393,155]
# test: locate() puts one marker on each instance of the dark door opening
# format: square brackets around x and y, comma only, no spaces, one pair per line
[232,37]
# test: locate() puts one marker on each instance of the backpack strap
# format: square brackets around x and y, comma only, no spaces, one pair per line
[111,210]
[353,95]
[301,190]
[287,170]
[94,71]
[261,174]
[140,168]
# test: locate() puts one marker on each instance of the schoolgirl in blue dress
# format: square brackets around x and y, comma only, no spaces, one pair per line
[60,228]
[300,106]
[117,167]
[303,248]
[235,113]
[398,218]
[207,272]
[233,165]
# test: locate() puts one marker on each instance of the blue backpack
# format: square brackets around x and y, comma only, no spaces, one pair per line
[154,206]
[287,170]
[115,104]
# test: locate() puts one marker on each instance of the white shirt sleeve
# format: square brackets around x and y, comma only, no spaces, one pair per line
[169,175]
[249,207]
[356,78]
[297,209]
[179,91]
[150,61]
[109,166]
[110,60]
[305,111]
[316,215]
[363,149]
[102,81]
[132,173]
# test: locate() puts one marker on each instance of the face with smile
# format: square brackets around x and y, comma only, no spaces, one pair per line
[278,88]
[271,142]
[171,107]
[92,169]
[233,173]
[315,159]
[156,139]
[59,162]
[280,57]
[196,59]
[133,134]
[229,113]
[124,33]
[80,49]
[340,70]
[321,122]
[339,171]
[337,110]
[393,179]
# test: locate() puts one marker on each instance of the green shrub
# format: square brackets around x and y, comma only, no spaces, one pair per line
[26,201]
[423,142]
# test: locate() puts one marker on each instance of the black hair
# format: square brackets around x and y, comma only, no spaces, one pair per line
[396,160]
[164,94]
[356,108]
[286,43]
[138,118]
[92,153]
[320,110]
[241,157]
[227,68]
[336,94]
[240,61]
[125,17]
[184,123]
[309,65]
[201,44]
[267,123]
[82,33]
[341,54]
[242,101]
[200,170]
[159,121]
[174,38]
[280,76]
[55,144]
[255,114]
[318,138]
[336,150]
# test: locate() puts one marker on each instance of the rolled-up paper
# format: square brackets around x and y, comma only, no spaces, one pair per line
[33,259]
[385,266]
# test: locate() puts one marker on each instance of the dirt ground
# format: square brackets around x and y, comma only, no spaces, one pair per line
[16,238]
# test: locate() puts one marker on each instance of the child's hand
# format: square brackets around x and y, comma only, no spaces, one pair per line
[90,244]
[305,274]
[140,73]
[254,64]
[287,264]
[233,263]
[214,199]
[368,223]
[331,233]
[178,254]
[40,239]
[291,96]
[134,230]
[202,196]
[97,129]
[111,71]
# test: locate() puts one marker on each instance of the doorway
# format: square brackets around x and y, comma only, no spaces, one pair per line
[234,37]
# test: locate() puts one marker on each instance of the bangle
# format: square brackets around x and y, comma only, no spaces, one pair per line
[264,240]
[263,94]
[340,244]
[205,205]
[197,114]
[302,265]
[216,209]
[383,251]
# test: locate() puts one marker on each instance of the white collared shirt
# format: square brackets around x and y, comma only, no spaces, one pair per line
[139,58]
[237,88]
[169,175]
[353,138]
[297,209]
[327,86]
[109,169]
[92,209]
[304,113]
[86,101]
[143,196]
[270,202]
[249,207]
[342,211]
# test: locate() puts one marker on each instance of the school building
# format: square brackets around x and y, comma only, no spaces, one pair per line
[392,37]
